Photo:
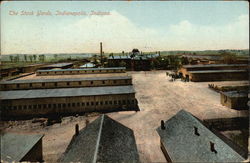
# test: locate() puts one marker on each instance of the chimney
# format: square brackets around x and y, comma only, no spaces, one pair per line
[101,51]
[162,125]
[196,131]
[212,148]
[76,129]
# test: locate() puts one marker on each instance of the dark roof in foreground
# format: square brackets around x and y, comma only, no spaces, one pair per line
[65,92]
[15,146]
[103,140]
[182,144]
[65,79]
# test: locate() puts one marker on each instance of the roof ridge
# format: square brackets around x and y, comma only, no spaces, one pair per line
[98,139]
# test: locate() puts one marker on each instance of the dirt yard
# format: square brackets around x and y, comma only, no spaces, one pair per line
[158,98]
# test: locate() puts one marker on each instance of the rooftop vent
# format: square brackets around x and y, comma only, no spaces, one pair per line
[196,131]
[162,125]
[212,148]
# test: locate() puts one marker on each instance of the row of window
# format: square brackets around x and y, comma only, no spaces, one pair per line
[68,105]
[64,72]
[68,83]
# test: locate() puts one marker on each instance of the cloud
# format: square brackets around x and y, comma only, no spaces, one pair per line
[119,33]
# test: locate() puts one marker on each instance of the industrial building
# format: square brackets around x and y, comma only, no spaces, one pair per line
[64,101]
[80,71]
[20,147]
[185,138]
[217,75]
[212,70]
[103,140]
[65,83]
[235,99]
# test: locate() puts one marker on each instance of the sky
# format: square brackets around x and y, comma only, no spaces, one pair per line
[122,26]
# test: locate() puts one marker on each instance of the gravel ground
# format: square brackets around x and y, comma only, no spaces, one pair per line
[158,98]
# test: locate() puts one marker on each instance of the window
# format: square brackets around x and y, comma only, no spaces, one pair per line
[119,102]
[128,102]
[87,103]
[132,101]
[123,102]
[18,85]
[30,106]
[44,105]
[25,107]
[64,105]
[96,103]
[100,70]
[30,84]
[115,102]
[114,81]
[69,104]
[126,81]
[73,104]
[78,104]
[80,83]
[15,107]
[34,106]
[54,105]
[110,102]
[106,102]
[67,83]
[55,84]
[49,105]
[92,103]
[91,82]
[39,106]
[83,104]
[101,103]
[59,105]
[92,70]
[43,84]
[103,82]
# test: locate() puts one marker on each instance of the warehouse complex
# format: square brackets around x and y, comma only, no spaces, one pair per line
[214,72]
[235,99]
[103,140]
[185,138]
[19,148]
[65,96]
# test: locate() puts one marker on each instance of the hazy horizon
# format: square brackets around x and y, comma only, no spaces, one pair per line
[148,26]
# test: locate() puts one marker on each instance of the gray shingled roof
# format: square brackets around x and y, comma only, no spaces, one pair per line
[65,92]
[83,69]
[182,144]
[15,146]
[103,140]
[65,79]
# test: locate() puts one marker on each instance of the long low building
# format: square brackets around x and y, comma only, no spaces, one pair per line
[234,99]
[61,101]
[217,75]
[57,66]
[65,83]
[186,68]
[81,71]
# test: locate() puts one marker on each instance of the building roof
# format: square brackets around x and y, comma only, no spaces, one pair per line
[137,57]
[91,65]
[215,71]
[103,140]
[15,146]
[87,69]
[214,65]
[65,80]
[235,93]
[58,65]
[181,143]
[66,92]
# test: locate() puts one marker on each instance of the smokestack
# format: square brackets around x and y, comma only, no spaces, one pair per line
[76,130]
[101,51]
[162,125]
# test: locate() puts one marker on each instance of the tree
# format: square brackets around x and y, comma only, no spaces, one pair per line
[228,57]
[41,58]
[34,56]
[55,56]
[31,58]
[25,57]
[11,58]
